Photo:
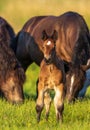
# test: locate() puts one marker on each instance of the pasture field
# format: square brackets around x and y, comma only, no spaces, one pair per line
[23,117]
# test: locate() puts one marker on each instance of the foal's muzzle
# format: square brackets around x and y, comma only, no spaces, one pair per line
[48,61]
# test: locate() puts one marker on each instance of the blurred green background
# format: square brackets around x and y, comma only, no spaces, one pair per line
[17,12]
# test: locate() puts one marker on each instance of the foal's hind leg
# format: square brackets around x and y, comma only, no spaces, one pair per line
[47,103]
[59,101]
[40,101]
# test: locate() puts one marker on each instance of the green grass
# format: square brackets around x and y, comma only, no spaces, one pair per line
[76,116]
[23,117]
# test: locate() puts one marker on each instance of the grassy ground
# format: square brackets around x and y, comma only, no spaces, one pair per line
[76,116]
[23,117]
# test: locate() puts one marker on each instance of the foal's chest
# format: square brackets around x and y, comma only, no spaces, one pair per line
[54,75]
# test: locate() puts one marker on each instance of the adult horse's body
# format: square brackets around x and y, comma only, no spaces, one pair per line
[12,75]
[21,47]
[72,45]
[6,31]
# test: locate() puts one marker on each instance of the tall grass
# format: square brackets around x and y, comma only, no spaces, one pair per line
[23,117]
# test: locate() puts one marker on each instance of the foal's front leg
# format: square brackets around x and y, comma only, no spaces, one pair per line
[47,103]
[40,101]
[59,101]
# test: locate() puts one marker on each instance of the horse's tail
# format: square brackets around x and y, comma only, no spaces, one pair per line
[81,50]
[14,42]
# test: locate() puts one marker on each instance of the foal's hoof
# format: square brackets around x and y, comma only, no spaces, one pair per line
[38,110]
[46,117]
[38,119]
[59,118]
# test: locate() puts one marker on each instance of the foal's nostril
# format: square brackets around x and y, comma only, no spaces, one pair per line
[47,60]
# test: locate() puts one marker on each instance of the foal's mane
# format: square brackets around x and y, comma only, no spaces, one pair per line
[58,63]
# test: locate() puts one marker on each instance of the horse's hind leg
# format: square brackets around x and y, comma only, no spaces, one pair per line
[59,101]
[40,101]
[47,103]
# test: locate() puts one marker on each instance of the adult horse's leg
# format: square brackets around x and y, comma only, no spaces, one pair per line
[59,101]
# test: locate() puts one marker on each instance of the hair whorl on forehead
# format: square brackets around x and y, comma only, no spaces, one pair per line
[48,43]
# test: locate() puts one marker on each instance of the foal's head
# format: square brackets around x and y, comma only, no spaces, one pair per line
[49,45]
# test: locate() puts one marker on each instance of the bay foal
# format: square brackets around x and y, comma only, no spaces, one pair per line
[51,76]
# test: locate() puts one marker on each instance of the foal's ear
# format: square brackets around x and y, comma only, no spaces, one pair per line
[44,35]
[55,35]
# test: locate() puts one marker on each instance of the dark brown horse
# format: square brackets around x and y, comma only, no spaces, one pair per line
[6,31]
[72,46]
[52,76]
[12,75]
